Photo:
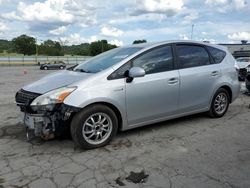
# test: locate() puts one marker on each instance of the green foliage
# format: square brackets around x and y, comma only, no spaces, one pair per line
[25,45]
[99,47]
[6,46]
[82,49]
[50,48]
[139,41]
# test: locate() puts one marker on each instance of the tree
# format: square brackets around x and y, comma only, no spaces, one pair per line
[6,46]
[25,45]
[82,49]
[139,41]
[100,46]
[50,48]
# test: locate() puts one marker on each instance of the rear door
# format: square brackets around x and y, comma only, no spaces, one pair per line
[198,77]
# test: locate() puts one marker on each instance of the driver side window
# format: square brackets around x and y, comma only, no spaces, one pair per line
[156,60]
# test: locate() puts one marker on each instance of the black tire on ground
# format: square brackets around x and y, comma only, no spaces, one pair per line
[78,120]
[212,112]
[45,68]
[61,67]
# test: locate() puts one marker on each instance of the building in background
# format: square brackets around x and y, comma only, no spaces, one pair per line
[239,50]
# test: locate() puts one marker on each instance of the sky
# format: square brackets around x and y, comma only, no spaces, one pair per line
[123,21]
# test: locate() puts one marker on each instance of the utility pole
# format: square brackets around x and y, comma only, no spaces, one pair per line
[36,50]
[192,31]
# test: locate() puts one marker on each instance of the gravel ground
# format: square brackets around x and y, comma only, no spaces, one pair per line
[193,151]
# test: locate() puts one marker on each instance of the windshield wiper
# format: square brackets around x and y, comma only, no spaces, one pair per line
[82,70]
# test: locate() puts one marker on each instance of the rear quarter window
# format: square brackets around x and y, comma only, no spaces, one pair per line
[217,55]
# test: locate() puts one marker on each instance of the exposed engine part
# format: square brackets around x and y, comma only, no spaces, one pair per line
[48,125]
[39,126]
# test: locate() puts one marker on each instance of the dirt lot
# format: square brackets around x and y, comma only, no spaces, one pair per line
[194,151]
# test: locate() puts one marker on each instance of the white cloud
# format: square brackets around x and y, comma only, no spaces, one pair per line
[116,42]
[2,1]
[76,38]
[57,12]
[59,31]
[227,4]
[144,17]
[3,27]
[48,11]
[111,31]
[216,2]
[192,15]
[239,36]
[11,16]
[239,4]
[168,7]
[183,37]
[92,39]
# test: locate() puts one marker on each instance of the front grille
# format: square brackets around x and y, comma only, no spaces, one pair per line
[24,99]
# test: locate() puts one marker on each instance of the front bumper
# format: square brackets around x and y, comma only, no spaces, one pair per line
[49,124]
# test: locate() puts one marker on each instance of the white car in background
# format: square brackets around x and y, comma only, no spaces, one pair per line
[243,63]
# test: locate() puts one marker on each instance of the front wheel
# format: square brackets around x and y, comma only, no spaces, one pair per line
[94,127]
[219,103]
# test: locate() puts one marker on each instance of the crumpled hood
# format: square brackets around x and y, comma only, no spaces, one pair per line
[243,65]
[55,80]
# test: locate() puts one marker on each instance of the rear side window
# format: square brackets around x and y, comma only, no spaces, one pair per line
[192,56]
[217,55]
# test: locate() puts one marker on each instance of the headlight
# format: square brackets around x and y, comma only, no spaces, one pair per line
[53,97]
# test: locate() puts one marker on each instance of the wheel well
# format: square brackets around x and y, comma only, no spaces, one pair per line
[117,112]
[229,91]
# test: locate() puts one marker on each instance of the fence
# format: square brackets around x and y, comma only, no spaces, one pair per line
[34,60]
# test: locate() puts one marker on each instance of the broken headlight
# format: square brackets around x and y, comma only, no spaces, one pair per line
[48,100]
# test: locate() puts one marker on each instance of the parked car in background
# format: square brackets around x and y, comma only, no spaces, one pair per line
[248,78]
[242,63]
[53,65]
[129,87]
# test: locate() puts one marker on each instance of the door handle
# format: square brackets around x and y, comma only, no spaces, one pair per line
[215,73]
[172,81]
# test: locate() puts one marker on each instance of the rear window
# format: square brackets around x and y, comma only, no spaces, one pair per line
[217,55]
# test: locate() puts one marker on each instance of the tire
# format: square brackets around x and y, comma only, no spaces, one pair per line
[220,103]
[61,67]
[81,130]
[45,68]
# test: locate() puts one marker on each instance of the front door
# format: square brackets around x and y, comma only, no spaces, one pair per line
[154,96]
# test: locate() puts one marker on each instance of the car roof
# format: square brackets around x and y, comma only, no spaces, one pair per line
[152,44]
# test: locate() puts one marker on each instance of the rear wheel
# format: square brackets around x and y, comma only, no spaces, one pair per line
[219,104]
[94,127]
[61,67]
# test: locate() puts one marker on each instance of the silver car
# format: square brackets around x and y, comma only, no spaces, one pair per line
[129,87]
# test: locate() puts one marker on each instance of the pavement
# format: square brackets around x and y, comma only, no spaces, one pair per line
[194,151]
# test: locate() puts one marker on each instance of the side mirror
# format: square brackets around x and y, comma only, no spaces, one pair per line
[135,72]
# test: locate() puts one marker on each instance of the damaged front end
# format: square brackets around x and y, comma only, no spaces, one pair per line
[45,116]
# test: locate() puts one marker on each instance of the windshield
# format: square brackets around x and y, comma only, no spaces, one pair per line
[106,60]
